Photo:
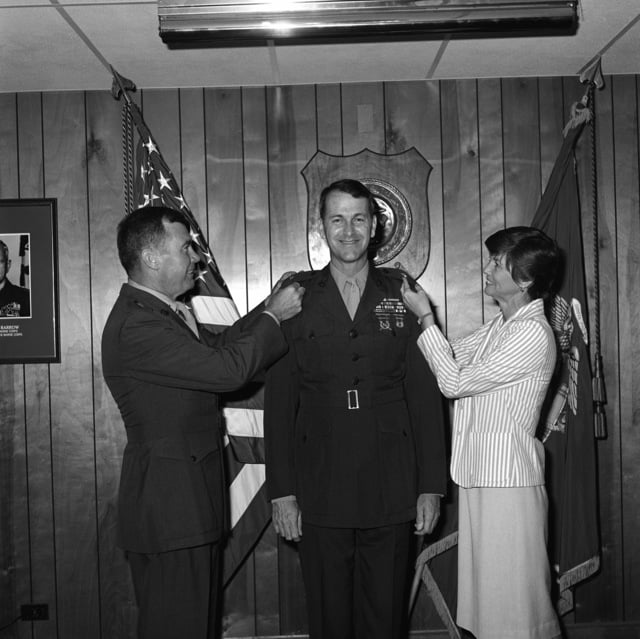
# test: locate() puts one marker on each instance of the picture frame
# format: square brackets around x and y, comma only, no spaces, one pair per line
[29,296]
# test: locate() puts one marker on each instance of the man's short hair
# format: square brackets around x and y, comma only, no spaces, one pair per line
[4,252]
[354,189]
[141,229]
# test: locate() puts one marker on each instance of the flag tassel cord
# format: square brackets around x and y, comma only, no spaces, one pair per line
[119,88]
[594,79]
[584,111]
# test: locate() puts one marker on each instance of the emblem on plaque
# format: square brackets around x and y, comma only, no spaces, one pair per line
[399,184]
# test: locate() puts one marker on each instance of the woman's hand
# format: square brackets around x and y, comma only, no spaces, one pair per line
[417,301]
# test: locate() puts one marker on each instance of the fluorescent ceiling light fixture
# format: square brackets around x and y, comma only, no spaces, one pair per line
[223,23]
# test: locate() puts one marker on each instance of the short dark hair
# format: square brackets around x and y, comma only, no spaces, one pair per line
[352,188]
[530,256]
[142,228]
[4,251]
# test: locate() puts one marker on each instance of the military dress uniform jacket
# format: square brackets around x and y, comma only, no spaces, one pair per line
[14,301]
[353,416]
[165,381]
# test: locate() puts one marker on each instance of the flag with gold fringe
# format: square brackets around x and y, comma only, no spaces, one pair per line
[567,422]
[249,511]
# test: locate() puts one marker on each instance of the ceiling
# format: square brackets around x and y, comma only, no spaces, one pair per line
[59,45]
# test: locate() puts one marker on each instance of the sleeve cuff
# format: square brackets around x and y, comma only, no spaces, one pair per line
[270,314]
[285,498]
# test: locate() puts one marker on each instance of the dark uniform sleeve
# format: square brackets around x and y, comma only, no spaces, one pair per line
[427,411]
[280,409]
[281,399]
[158,353]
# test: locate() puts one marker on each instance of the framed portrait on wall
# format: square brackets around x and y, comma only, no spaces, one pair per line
[29,308]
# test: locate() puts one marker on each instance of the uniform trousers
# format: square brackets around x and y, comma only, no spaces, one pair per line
[356,581]
[178,592]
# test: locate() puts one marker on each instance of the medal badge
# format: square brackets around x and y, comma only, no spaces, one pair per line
[390,313]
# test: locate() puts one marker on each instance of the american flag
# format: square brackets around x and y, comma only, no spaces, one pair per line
[249,509]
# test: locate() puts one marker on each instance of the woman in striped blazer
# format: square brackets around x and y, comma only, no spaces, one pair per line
[499,375]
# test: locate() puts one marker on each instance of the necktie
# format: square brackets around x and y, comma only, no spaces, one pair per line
[351,296]
[187,316]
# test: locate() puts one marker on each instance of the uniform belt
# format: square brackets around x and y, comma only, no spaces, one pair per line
[352,398]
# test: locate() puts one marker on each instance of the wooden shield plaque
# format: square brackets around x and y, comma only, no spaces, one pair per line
[399,183]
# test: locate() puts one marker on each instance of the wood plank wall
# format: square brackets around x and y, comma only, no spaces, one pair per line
[238,153]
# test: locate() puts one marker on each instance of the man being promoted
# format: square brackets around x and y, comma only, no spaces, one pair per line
[165,371]
[14,300]
[354,433]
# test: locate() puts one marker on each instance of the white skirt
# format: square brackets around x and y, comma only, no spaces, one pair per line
[503,566]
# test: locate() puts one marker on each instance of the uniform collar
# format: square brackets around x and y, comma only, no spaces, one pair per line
[340,278]
[161,296]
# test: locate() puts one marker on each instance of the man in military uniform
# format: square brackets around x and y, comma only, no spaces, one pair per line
[353,432]
[165,372]
[14,300]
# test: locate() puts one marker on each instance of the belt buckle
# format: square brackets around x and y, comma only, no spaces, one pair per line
[352,399]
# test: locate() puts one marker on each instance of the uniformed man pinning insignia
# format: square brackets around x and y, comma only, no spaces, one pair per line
[353,432]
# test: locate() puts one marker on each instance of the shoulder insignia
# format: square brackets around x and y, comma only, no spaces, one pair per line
[300,277]
[392,272]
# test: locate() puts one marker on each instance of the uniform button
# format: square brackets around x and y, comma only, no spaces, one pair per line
[355,357]
[312,335]
[193,458]
[353,333]
[355,381]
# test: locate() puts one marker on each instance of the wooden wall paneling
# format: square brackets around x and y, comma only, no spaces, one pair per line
[15,564]
[259,281]
[106,208]
[492,187]
[626,144]
[363,117]
[256,179]
[329,118]
[37,391]
[413,120]
[291,132]
[460,178]
[225,188]
[329,134]
[73,444]
[551,123]
[521,149]
[412,111]
[9,161]
[193,180]
[292,142]
[603,596]
[9,177]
